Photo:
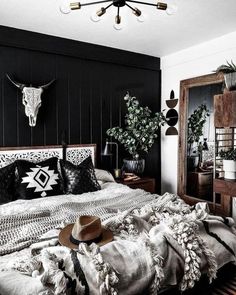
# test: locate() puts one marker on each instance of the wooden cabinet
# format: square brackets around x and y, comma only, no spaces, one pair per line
[227,189]
[200,185]
[225,109]
[145,183]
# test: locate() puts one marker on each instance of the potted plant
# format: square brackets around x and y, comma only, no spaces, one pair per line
[229,163]
[195,130]
[229,72]
[139,134]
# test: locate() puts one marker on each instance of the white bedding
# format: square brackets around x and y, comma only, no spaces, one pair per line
[150,250]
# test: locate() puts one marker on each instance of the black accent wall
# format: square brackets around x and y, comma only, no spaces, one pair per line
[85,100]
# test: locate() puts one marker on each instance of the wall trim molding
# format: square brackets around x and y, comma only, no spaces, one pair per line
[45,43]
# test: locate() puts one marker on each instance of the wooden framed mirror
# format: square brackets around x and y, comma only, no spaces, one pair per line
[195,174]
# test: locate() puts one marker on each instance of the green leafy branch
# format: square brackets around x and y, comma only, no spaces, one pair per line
[141,128]
[195,125]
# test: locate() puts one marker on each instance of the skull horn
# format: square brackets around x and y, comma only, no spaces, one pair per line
[47,85]
[17,84]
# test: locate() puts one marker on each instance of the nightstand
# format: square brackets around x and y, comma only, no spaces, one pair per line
[146,183]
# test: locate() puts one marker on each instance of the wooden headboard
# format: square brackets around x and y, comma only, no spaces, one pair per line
[73,153]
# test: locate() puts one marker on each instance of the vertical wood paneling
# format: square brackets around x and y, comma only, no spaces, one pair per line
[50,102]
[74,107]
[9,99]
[1,100]
[85,100]
[22,72]
[62,97]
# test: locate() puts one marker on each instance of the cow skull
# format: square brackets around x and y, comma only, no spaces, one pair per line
[31,99]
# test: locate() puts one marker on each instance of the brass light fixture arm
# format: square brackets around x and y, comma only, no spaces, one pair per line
[129,6]
[159,5]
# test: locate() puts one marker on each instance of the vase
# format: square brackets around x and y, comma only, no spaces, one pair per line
[229,167]
[134,166]
[230,81]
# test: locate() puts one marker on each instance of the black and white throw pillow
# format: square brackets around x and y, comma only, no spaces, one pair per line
[35,180]
[7,183]
[79,179]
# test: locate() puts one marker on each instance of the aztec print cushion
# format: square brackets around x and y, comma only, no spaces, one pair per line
[79,179]
[7,183]
[35,180]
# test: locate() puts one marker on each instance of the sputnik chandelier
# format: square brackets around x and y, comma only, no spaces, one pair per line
[119,4]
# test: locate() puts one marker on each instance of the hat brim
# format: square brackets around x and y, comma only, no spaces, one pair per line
[64,237]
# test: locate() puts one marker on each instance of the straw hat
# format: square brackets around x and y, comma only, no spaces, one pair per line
[86,229]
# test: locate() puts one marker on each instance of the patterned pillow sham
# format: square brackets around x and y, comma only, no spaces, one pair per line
[7,183]
[79,179]
[35,180]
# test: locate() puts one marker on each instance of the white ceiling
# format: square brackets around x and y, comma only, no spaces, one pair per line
[196,21]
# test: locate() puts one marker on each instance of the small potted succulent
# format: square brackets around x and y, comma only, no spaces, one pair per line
[139,134]
[229,163]
[229,72]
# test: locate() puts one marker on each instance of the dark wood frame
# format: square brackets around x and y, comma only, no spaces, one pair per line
[185,85]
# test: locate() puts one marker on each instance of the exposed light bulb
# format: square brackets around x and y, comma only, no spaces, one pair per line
[171,9]
[118,27]
[95,18]
[141,18]
[65,7]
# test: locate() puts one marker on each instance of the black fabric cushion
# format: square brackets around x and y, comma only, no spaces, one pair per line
[79,179]
[35,180]
[7,183]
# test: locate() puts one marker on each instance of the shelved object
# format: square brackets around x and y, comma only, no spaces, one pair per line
[225,139]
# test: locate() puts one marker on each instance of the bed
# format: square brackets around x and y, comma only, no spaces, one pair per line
[159,241]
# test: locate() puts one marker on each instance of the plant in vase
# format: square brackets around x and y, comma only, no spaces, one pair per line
[229,163]
[195,131]
[139,133]
[229,72]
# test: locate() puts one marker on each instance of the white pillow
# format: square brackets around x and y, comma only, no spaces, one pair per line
[103,175]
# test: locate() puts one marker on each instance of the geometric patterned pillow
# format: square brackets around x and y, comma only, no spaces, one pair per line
[35,180]
[79,179]
[7,183]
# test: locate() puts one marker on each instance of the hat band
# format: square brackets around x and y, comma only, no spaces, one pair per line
[77,242]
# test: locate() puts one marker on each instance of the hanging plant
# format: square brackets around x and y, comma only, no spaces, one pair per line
[141,128]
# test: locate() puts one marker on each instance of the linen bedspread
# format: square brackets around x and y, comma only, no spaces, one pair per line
[159,241]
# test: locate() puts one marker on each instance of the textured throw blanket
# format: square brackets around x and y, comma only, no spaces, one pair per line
[159,241]
[21,230]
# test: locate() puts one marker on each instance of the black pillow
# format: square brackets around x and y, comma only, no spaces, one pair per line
[35,180]
[79,179]
[7,183]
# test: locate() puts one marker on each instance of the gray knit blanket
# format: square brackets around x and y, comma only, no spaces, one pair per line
[157,238]
[18,231]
